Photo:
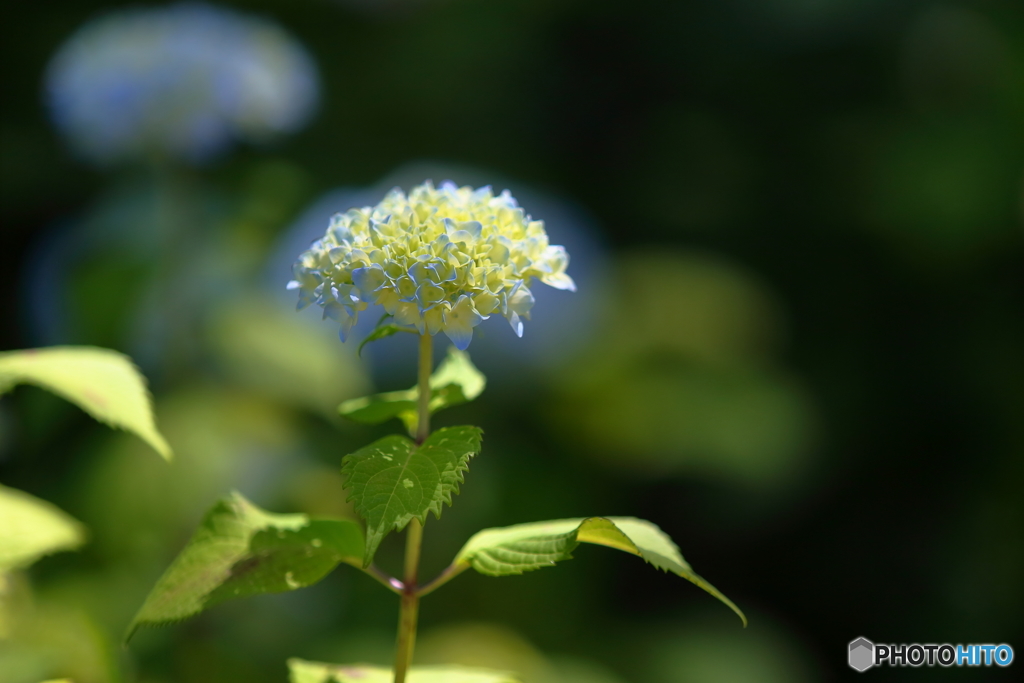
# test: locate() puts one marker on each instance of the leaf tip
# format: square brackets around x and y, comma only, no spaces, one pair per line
[370,549]
[161,446]
[129,633]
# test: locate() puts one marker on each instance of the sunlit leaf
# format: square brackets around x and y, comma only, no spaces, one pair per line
[525,547]
[241,550]
[101,382]
[455,381]
[391,481]
[317,672]
[31,528]
[380,407]
[458,371]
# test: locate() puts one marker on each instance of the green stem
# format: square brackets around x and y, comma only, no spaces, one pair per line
[410,602]
[391,583]
[444,577]
[414,535]
[423,399]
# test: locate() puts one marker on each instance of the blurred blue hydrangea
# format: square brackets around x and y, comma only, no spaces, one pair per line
[181,82]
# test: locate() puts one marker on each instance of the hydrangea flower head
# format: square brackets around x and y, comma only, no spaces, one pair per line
[182,82]
[438,259]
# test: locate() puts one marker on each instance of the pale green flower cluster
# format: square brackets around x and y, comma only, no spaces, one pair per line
[439,259]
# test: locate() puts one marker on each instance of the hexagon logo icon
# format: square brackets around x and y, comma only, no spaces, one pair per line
[862,654]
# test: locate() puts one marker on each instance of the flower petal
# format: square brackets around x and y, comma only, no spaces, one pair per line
[368,280]
[516,323]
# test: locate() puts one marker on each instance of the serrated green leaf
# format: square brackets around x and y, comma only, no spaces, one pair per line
[455,381]
[241,550]
[31,528]
[101,382]
[317,672]
[391,481]
[526,547]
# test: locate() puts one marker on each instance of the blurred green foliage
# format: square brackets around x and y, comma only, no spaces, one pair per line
[33,528]
[688,383]
[101,382]
[108,387]
[806,366]
[315,672]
